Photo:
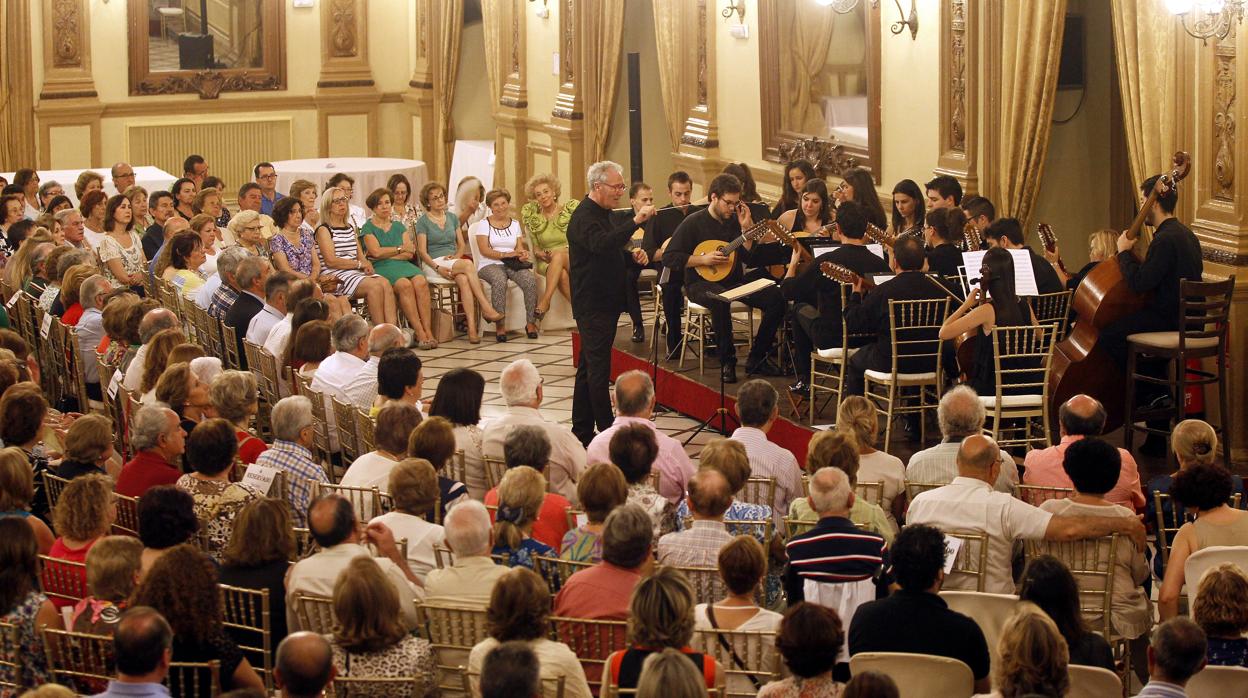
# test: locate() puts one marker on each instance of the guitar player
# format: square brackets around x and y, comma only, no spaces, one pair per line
[724,219]
[817,299]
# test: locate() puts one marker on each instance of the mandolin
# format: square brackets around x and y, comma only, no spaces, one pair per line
[971,240]
[1049,240]
[880,237]
[843,274]
[1079,364]
[719,272]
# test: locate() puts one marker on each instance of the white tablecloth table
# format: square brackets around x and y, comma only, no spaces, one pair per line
[369,173]
[148,177]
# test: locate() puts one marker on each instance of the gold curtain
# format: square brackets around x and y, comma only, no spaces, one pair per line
[1031,50]
[492,18]
[1144,53]
[672,40]
[448,18]
[602,34]
[806,36]
[17,91]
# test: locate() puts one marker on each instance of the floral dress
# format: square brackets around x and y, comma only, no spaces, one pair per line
[523,555]
[581,545]
[411,656]
[661,511]
[216,505]
[797,687]
[299,258]
[29,642]
[547,234]
[132,258]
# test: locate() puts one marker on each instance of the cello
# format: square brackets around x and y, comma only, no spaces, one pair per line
[1079,364]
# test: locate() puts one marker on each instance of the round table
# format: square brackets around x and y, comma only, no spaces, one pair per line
[368,173]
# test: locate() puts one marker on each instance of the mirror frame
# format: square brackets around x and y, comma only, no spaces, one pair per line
[208,83]
[777,140]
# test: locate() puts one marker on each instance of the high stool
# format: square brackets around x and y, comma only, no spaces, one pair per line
[1204,311]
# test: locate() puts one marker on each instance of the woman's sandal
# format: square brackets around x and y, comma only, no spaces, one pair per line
[532,333]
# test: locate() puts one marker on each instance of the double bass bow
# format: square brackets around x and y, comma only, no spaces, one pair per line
[1079,364]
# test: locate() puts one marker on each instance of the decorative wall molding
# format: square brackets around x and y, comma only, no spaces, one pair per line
[1224,118]
[208,84]
[828,157]
[959,94]
[67,51]
[515,90]
[701,131]
[568,103]
[344,45]
[343,29]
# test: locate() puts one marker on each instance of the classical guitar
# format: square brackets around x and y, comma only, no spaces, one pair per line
[844,275]
[719,272]
[971,240]
[1049,240]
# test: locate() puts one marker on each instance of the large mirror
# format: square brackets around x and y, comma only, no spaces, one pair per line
[206,46]
[826,56]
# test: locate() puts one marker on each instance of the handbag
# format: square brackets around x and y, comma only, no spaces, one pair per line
[329,284]
[723,642]
[515,264]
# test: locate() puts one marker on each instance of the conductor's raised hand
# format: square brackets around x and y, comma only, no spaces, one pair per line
[644,214]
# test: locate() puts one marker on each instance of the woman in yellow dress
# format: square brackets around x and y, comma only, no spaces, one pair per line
[546,223]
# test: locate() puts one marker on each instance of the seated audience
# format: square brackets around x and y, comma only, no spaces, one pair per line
[600,490]
[634,404]
[182,586]
[23,410]
[311,346]
[728,457]
[858,416]
[219,291]
[660,616]
[279,336]
[95,295]
[184,392]
[350,337]
[158,440]
[918,557]
[394,427]
[251,276]
[143,650]
[291,452]
[833,448]
[180,261]
[810,637]
[1083,417]
[261,547]
[88,447]
[342,258]
[84,514]
[960,414]
[528,445]
[276,290]
[873,684]
[670,674]
[742,564]
[236,398]
[602,592]
[458,399]
[469,581]
[210,450]
[112,572]
[969,503]
[17,490]
[511,670]
[303,665]
[152,321]
[399,380]
[157,360]
[758,406]
[434,440]
[521,387]
[520,497]
[360,389]
[166,519]
[22,602]
[1175,654]
[700,543]
[633,450]
[1048,583]
[414,486]
[370,640]
[1033,656]
[519,611]
[332,523]
[1204,490]
[1221,610]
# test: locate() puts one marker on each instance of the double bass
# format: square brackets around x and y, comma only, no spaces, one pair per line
[1079,364]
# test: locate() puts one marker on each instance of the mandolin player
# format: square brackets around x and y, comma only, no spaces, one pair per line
[723,220]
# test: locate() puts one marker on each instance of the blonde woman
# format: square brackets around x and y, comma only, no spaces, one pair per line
[208,201]
[112,572]
[84,514]
[668,674]
[1102,245]
[1033,656]
[546,224]
[17,490]
[520,497]
[859,417]
[342,258]
[248,230]
[469,204]
[205,226]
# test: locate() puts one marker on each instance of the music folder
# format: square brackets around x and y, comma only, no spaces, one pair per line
[742,291]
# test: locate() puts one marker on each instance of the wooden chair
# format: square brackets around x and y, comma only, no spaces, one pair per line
[592,641]
[366,501]
[320,418]
[453,632]
[443,558]
[989,611]
[1052,309]
[494,470]
[914,327]
[187,679]
[556,571]
[10,659]
[832,380]
[707,585]
[914,489]
[1021,358]
[52,488]
[270,387]
[366,432]
[1092,562]
[457,466]
[759,490]
[760,661]
[918,675]
[375,686]
[344,417]
[63,579]
[1219,682]
[79,659]
[972,559]
[127,523]
[759,530]
[304,544]
[1092,682]
[870,491]
[246,616]
[314,613]
[78,376]
[1036,495]
[229,342]
[795,527]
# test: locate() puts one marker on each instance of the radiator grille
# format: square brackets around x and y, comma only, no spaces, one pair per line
[232,148]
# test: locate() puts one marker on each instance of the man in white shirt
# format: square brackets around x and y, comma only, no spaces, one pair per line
[90,329]
[334,527]
[350,337]
[970,504]
[634,404]
[274,308]
[709,498]
[153,322]
[361,389]
[960,415]
[297,291]
[469,582]
[521,386]
[758,406]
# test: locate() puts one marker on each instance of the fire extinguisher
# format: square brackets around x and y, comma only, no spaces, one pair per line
[1194,395]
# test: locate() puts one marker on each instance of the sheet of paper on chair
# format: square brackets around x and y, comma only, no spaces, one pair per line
[746,289]
[822,427]
[952,546]
[260,477]
[1024,275]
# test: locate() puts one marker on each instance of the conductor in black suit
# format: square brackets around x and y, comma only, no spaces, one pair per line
[597,266]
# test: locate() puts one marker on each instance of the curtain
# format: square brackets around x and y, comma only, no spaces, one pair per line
[492,18]
[1144,52]
[602,34]
[805,37]
[444,65]
[673,41]
[17,91]
[1031,50]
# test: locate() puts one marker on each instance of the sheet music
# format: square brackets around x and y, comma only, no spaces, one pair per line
[1024,275]
[746,289]
[881,278]
[819,247]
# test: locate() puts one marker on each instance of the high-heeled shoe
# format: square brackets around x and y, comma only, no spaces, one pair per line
[497,316]
[539,312]
[531,330]
[500,337]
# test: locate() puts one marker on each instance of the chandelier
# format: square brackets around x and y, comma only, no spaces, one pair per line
[1207,19]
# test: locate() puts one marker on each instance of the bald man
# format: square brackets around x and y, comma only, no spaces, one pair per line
[969,503]
[709,497]
[1082,416]
[361,388]
[304,665]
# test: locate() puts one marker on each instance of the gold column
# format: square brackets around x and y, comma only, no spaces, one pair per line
[419,96]
[567,124]
[959,93]
[68,97]
[346,86]
[698,153]
[511,141]
[17,124]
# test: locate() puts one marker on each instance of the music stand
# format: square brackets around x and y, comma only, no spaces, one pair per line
[664,277]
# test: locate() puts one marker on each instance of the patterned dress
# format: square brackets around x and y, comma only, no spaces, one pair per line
[661,511]
[797,687]
[581,545]
[547,234]
[411,656]
[346,246]
[523,555]
[29,641]
[299,258]
[216,505]
[132,258]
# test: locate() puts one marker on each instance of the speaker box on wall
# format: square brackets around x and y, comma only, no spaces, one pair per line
[1070,70]
[634,117]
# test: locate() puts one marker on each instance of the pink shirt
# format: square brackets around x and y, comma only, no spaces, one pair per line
[1044,468]
[674,466]
[601,592]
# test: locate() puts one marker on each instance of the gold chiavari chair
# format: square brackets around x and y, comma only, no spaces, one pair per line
[494,470]
[10,659]
[453,632]
[972,558]
[796,527]
[592,641]
[747,659]
[914,327]
[194,678]
[63,579]
[344,417]
[759,490]
[247,618]
[79,660]
[552,686]
[1036,495]
[870,491]
[313,613]
[366,501]
[366,432]
[556,570]
[127,523]
[52,487]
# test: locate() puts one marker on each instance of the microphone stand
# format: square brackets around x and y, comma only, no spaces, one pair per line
[659,409]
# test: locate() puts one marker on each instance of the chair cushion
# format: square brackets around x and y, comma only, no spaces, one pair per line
[834,352]
[1012,400]
[1170,340]
[885,377]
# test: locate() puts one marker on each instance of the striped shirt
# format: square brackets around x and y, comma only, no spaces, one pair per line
[835,551]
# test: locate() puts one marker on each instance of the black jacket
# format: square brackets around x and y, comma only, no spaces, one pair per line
[870,314]
[1174,254]
[596,261]
[811,286]
[239,317]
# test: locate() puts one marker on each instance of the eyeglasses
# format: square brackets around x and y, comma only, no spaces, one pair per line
[272,175]
[618,187]
[254,228]
[339,200]
[437,197]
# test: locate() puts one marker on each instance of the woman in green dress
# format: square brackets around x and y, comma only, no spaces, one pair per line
[391,249]
[546,223]
[444,253]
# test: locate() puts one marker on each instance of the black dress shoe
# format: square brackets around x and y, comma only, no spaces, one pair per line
[500,337]
[729,373]
[763,368]
[800,388]
[639,334]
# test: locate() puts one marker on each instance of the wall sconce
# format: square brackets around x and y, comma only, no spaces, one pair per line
[912,21]
[1207,19]
[734,7]
[543,12]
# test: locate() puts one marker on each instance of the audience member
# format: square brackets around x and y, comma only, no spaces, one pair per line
[458,399]
[394,428]
[17,490]
[251,276]
[157,360]
[219,291]
[112,572]
[1048,583]
[699,545]
[434,440]
[634,404]
[871,684]
[166,519]
[1176,654]
[1205,490]
[960,414]
[602,592]
[519,611]
[90,329]
[360,389]
[728,457]
[143,650]
[833,448]
[528,445]
[633,449]
[511,670]
[210,450]
[183,391]
[153,321]
[297,292]
[399,379]
[293,433]
[261,547]
[521,387]
[858,416]
[84,513]
[469,581]
[413,485]
[236,398]
[369,638]
[810,637]
[1033,656]
[1221,610]
[520,497]
[88,447]
[304,665]
[158,440]
[350,336]
[758,406]
[23,410]
[670,674]
[310,347]
[22,602]
[600,490]
[276,288]
[1083,417]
